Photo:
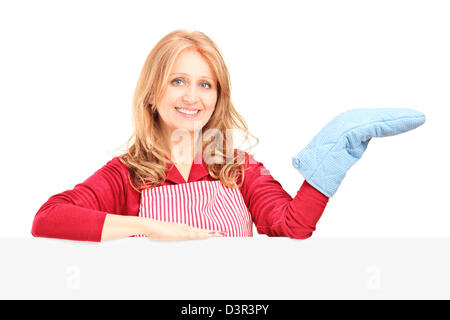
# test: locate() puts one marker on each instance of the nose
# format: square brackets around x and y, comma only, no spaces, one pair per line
[191,95]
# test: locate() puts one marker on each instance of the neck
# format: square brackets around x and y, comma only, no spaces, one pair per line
[183,148]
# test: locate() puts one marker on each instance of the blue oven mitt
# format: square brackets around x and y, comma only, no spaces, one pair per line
[326,159]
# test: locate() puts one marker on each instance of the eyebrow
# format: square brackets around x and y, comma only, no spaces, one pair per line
[189,75]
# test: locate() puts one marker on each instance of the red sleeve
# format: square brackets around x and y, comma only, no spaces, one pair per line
[273,210]
[79,214]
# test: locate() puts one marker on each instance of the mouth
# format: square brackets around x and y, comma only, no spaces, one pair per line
[188,113]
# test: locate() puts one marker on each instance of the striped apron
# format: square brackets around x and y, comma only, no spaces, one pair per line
[200,204]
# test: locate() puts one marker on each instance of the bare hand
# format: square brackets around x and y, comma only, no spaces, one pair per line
[161,230]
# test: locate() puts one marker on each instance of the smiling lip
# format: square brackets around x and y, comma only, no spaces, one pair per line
[189,116]
[190,109]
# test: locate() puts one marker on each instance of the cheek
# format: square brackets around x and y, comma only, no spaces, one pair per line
[210,101]
[170,96]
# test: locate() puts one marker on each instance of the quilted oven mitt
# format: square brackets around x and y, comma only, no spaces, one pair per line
[341,143]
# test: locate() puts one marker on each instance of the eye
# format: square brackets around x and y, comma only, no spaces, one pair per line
[208,85]
[178,81]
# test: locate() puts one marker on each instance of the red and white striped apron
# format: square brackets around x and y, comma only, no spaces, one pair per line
[200,204]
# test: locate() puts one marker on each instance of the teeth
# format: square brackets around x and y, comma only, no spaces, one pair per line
[187,111]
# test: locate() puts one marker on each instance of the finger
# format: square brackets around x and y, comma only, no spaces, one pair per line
[204,234]
[190,228]
[193,229]
[205,230]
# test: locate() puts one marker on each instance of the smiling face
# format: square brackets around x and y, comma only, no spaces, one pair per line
[190,96]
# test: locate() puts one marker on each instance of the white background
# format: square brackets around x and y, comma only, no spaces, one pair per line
[68,71]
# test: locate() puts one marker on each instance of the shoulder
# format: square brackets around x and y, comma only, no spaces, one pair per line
[243,157]
[113,172]
[115,165]
[253,169]
[247,159]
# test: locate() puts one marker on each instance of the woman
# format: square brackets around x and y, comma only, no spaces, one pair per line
[181,177]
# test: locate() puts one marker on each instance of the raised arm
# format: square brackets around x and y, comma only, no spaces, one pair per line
[273,210]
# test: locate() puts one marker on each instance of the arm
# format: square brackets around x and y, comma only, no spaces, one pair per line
[117,226]
[324,162]
[80,214]
[105,207]
[273,210]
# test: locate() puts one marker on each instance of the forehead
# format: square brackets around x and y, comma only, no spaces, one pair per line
[191,62]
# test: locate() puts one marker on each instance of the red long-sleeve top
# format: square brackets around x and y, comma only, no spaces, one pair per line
[79,214]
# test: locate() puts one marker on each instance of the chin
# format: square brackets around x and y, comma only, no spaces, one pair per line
[188,127]
[191,125]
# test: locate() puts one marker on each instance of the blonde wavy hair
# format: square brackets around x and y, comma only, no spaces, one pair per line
[146,154]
